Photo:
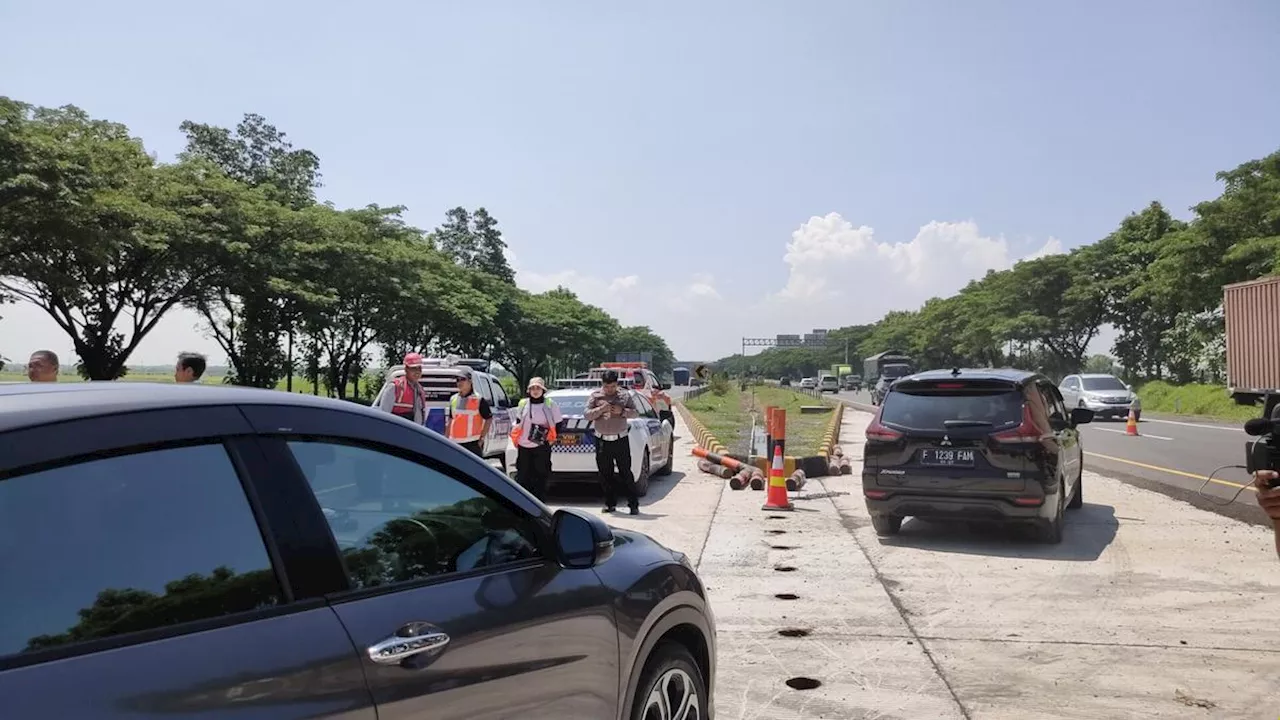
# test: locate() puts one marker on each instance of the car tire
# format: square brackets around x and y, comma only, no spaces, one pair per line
[671,457]
[1077,495]
[642,482]
[671,669]
[886,524]
[1050,531]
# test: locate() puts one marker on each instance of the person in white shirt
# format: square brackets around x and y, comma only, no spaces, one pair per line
[534,433]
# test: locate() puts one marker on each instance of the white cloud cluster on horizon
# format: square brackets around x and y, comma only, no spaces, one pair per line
[832,273]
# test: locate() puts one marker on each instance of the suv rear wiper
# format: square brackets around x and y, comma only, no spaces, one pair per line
[966,423]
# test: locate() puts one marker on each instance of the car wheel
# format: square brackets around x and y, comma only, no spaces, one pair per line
[1051,530]
[1077,495]
[886,524]
[642,482]
[671,458]
[671,686]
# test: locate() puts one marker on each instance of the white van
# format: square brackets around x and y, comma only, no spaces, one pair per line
[828,383]
[440,382]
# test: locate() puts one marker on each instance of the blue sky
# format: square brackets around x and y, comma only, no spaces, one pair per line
[712,169]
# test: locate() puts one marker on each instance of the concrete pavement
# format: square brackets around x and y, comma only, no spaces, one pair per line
[1171,456]
[1150,608]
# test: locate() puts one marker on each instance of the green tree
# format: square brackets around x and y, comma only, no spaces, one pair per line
[244,308]
[98,236]
[474,242]
[641,339]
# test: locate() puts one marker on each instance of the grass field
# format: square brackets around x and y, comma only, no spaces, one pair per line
[1210,401]
[729,417]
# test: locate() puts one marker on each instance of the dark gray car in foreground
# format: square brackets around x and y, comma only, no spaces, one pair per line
[996,445]
[187,551]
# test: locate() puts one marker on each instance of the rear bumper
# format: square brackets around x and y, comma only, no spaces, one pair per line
[994,507]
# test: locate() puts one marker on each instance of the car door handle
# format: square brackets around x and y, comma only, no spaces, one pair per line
[410,640]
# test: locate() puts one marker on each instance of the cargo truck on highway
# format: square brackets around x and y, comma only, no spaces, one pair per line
[680,376]
[1252,314]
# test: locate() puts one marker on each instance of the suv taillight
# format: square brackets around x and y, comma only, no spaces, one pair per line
[876,431]
[1026,432]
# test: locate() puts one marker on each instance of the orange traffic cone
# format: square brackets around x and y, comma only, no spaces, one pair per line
[1131,427]
[777,498]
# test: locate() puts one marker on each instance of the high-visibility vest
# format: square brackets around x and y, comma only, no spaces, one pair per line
[465,423]
[404,398]
[523,413]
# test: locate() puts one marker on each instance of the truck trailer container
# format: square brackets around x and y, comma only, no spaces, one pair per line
[1251,311]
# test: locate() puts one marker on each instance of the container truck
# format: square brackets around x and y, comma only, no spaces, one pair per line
[873,367]
[1252,314]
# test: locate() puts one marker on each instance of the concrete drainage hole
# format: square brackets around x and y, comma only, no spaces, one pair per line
[775,517]
[776,532]
[794,632]
[787,596]
[782,547]
[784,568]
[803,683]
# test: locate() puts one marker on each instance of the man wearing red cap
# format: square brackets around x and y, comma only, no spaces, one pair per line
[403,396]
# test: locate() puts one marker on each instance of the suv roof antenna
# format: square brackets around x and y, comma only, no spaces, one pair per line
[955,371]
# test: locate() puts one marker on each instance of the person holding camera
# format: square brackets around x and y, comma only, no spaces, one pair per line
[608,409]
[534,433]
[1269,498]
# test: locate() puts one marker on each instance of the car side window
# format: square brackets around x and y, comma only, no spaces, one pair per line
[1071,383]
[1053,402]
[500,396]
[481,384]
[396,520]
[643,405]
[128,543]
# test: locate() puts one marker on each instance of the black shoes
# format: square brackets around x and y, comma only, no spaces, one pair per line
[635,509]
[610,509]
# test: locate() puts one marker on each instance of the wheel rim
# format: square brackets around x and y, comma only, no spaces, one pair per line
[673,697]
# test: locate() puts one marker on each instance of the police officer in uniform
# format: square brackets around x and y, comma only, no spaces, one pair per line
[608,410]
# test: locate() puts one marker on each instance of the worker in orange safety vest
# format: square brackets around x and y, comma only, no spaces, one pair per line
[403,396]
[469,416]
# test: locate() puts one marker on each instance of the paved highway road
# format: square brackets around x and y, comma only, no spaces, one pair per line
[1174,457]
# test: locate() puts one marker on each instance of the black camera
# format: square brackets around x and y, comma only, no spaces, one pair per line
[1264,453]
[537,434]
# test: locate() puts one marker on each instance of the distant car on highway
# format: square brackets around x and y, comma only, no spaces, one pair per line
[219,552]
[808,383]
[573,456]
[852,382]
[784,381]
[974,445]
[828,383]
[1106,395]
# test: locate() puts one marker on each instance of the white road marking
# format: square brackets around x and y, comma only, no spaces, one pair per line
[1196,425]
[1122,432]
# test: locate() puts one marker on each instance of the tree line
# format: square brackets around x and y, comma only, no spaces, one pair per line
[1157,280]
[107,240]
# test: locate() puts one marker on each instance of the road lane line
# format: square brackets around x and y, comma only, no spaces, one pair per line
[1122,432]
[1195,425]
[1171,471]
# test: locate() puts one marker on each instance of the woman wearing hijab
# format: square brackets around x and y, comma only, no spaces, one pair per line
[535,431]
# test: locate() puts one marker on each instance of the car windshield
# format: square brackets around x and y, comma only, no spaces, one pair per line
[895,371]
[930,410]
[1102,383]
[575,404]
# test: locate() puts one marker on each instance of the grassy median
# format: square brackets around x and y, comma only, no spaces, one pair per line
[729,417]
[1207,401]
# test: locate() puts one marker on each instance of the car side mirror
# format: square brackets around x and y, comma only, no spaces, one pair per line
[582,539]
[1081,416]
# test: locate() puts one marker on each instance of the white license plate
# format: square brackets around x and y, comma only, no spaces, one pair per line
[947,457]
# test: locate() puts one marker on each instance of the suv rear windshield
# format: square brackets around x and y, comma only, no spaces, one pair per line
[930,408]
[1102,383]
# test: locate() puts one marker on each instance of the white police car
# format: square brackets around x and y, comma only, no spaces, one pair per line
[573,456]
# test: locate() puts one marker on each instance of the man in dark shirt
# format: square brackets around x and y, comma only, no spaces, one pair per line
[469,416]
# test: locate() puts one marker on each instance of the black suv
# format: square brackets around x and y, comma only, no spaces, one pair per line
[974,445]
[178,551]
